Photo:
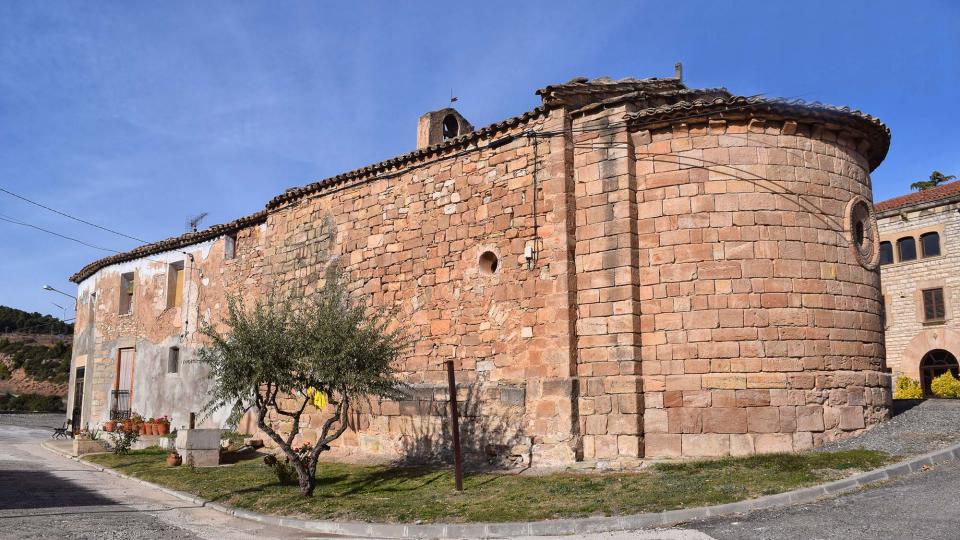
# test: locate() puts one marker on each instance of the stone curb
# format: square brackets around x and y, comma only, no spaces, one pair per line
[560,526]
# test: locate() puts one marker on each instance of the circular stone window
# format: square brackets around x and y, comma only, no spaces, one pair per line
[488,263]
[862,229]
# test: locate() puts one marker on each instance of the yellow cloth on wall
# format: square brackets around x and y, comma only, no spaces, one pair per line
[319,398]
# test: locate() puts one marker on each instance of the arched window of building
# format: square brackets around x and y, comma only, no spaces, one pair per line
[886,253]
[930,244]
[907,248]
[936,363]
[451,128]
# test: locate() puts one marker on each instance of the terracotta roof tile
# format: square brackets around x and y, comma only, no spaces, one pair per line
[943,191]
[877,133]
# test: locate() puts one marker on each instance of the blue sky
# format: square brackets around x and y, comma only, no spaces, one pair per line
[136,114]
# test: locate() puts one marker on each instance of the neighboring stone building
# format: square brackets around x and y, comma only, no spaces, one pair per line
[633,268]
[920,266]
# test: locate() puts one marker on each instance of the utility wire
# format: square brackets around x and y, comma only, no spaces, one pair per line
[64,214]
[4,218]
[72,239]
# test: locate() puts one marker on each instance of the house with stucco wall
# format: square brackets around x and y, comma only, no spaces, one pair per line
[633,268]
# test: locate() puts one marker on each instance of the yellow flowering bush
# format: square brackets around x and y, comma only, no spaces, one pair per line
[946,386]
[907,388]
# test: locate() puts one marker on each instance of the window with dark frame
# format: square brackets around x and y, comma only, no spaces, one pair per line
[886,253]
[907,248]
[126,293]
[930,244]
[933,307]
[173,360]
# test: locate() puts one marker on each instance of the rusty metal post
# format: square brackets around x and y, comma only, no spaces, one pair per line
[455,428]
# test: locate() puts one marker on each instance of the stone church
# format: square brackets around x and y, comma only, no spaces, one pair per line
[632,269]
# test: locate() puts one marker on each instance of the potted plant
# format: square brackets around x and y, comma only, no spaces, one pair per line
[150,426]
[138,425]
[174,459]
[109,426]
[163,425]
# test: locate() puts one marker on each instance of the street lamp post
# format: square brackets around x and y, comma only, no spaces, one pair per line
[49,288]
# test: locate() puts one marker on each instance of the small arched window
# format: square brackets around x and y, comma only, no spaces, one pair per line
[886,253]
[451,128]
[907,248]
[930,244]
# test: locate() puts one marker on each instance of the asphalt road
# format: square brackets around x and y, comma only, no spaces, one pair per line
[924,505]
[43,495]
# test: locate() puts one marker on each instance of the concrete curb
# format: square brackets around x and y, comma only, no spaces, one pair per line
[561,526]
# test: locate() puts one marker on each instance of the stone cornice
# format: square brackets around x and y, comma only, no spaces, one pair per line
[876,133]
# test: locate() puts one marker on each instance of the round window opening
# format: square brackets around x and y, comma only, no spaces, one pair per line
[488,263]
[864,233]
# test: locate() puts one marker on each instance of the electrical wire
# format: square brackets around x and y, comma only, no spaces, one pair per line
[9,220]
[64,214]
[77,240]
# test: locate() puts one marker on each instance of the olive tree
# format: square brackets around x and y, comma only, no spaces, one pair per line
[276,355]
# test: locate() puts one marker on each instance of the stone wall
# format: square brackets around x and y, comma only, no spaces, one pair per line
[908,337]
[761,328]
[670,288]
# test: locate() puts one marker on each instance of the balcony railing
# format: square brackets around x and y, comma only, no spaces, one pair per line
[119,405]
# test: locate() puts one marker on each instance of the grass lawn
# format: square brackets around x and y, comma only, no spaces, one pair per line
[386,494]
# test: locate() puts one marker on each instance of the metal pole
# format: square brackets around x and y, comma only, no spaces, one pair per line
[193,420]
[455,428]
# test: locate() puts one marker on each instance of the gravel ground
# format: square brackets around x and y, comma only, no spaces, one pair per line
[921,428]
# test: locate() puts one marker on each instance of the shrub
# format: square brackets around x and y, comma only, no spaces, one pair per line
[123,440]
[946,386]
[907,388]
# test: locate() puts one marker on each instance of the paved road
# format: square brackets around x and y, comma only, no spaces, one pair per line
[43,495]
[923,505]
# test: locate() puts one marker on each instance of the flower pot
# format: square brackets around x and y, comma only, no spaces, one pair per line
[163,429]
[128,425]
[109,426]
[142,429]
[174,460]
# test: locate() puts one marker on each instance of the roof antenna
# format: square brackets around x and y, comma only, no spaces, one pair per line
[194,222]
[678,71]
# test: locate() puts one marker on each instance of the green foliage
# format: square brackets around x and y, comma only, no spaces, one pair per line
[15,320]
[936,178]
[283,468]
[4,371]
[946,386]
[407,494]
[31,403]
[40,362]
[286,345]
[907,388]
[123,439]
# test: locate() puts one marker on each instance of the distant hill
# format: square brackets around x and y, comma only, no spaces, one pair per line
[19,321]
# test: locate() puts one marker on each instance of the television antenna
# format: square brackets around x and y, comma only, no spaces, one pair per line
[194,222]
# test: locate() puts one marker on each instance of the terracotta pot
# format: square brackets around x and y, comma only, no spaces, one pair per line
[128,425]
[109,426]
[174,460]
[163,429]
[143,429]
